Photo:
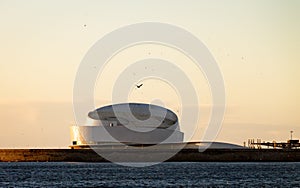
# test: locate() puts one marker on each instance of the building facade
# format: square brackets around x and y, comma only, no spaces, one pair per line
[128,123]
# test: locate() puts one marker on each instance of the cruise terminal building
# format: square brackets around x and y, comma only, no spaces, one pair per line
[134,124]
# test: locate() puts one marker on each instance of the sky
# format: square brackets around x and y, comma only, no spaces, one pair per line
[255,44]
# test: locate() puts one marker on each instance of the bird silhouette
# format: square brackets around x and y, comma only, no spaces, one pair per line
[138,86]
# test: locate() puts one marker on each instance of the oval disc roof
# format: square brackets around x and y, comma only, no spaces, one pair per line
[127,112]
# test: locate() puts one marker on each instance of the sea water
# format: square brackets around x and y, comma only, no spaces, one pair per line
[200,174]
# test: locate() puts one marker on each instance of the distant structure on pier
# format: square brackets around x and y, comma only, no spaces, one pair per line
[290,144]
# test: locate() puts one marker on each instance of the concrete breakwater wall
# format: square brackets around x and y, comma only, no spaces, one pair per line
[185,155]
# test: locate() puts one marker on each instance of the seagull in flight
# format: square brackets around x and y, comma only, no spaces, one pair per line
[138,86]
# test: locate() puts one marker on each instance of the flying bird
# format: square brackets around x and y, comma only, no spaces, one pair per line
[138,86]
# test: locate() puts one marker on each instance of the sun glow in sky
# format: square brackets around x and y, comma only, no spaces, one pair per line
[255,43]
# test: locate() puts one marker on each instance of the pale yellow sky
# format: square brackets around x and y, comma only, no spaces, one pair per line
[255,44]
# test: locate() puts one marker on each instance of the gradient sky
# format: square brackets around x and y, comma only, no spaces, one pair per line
[255,43]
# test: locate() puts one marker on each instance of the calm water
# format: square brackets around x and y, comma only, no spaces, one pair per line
[161,175]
